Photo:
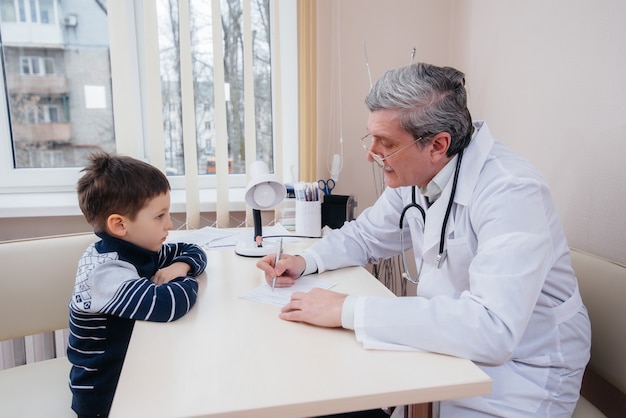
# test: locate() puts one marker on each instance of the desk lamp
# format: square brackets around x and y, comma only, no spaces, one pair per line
[263,192]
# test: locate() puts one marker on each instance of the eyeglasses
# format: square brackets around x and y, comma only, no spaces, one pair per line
[367,141]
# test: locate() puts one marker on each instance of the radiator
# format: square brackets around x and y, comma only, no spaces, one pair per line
[33,348]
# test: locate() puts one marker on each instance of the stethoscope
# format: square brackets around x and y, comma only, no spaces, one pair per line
[441,256]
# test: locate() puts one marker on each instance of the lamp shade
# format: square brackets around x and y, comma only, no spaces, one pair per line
[263,191]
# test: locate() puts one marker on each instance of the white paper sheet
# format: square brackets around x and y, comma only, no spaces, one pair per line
[282,295]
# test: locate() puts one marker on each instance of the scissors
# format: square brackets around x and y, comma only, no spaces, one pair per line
[326,186]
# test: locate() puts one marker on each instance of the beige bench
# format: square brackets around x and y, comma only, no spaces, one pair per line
[35,287]
[603,289]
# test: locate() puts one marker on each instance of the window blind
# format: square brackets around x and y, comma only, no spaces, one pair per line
[137,74]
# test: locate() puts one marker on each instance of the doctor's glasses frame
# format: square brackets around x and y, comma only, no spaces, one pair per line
[367,142]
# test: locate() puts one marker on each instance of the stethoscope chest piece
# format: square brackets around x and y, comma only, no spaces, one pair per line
[441,258]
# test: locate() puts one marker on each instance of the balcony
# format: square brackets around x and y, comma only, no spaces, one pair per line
[37,85]
[42,132]
[32,35]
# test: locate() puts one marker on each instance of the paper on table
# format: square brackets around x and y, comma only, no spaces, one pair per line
[282,295]
[216,238]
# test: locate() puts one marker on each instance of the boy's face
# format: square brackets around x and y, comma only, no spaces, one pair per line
[151,225]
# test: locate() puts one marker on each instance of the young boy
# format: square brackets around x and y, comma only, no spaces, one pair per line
[129,274]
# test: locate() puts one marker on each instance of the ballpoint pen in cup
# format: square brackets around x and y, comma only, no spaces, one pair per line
[278,253]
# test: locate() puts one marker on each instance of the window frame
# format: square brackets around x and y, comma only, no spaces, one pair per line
[43,63]
[129,72]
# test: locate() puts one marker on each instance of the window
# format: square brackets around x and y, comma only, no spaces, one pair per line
[59,100]
[35,11]
[202,54]
[44,119]
[37,65]
[7,11]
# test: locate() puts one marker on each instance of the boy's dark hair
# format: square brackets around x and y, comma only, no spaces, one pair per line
[117,184]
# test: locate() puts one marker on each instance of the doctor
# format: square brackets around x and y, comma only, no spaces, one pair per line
[495,282]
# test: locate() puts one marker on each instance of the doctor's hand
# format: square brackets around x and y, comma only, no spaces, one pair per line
[318,307]
[286,271]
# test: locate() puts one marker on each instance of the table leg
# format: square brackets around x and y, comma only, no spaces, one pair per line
[420,410]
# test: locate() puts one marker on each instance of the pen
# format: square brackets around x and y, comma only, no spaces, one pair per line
[278,253]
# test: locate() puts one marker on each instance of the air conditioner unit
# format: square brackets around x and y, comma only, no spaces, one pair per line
[70,20]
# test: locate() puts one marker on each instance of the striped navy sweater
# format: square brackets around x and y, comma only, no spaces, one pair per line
[113,290]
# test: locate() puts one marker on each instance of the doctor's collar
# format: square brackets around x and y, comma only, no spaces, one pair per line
[433,189]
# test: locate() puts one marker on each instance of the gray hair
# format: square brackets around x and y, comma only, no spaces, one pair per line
[429,100]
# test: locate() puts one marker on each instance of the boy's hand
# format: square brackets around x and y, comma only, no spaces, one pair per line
[169,273]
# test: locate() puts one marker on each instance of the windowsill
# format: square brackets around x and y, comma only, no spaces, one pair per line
[25,205]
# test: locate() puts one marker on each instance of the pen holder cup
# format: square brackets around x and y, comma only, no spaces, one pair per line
[309,218]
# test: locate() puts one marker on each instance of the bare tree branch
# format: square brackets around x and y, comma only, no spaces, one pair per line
[103,6]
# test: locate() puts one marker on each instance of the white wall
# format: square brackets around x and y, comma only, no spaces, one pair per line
[390,30]
[548,76]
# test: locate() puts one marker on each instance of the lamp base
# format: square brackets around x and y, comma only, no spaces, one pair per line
[250,248]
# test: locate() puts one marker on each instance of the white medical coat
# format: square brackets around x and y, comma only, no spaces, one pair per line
[505,297]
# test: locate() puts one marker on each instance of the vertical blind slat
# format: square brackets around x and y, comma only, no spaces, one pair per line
[277,97]
[153,102]
[190,152]
[221,133]
[123,66]
[248,88]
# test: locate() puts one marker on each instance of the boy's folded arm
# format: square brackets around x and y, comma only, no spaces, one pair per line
[191,254]
[120,292]
[171,300]
[160,303]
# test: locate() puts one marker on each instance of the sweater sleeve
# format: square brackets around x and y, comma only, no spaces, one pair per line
[118,290]
[187,253]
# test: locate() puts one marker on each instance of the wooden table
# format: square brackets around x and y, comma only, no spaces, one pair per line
[230,357]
